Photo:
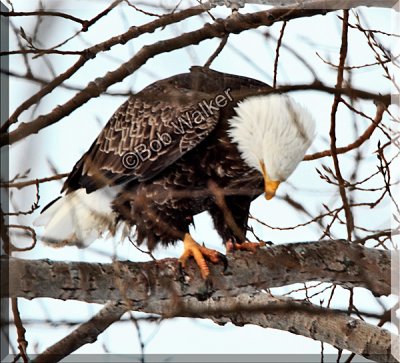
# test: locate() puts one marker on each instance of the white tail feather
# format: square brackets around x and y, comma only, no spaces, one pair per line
[78,218]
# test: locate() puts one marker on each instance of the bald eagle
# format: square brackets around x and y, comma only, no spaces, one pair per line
[194,142]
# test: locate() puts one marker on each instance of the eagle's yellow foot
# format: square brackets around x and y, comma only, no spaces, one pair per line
[244,246]
[200,254]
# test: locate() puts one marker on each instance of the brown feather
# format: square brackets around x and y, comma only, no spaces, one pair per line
[163,192]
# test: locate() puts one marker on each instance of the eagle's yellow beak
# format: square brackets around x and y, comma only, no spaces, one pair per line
[270,186]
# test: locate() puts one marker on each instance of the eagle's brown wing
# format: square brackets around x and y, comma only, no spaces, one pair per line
[156,127]
[142,138]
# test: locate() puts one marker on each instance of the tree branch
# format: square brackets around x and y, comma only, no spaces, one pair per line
[322,324]
[332,133]
[334,261]
[23,184]
[381,108]
[219,29]
[84,334]
[91,52]
[158,287]
[319,4]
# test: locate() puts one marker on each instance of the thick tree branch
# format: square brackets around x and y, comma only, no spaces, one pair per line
[322,324]
[157,287]
[329,261]
[318,4]
[262,309]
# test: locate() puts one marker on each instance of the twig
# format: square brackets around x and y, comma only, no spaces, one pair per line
[44,13]
[297,55]
[141,10]
[278,46]
[357,143]
[30,231]
[22,343]
[217,51]
[332,132]
[42,51]
[44,82]
[20,185]
[91,52]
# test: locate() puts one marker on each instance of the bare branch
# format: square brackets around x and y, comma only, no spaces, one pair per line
[20,185]
[332,132]
[44,13]
[84,334]
[163,296]
[216,52]
[91,52]
[357,143]
[329,261]
[325,325]
[278,45]
[22,343]
[318,4]
[218,29]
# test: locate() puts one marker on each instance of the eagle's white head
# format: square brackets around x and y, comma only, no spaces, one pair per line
[273,133]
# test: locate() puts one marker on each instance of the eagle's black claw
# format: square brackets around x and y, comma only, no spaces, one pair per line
[224,260]
[182,274]
[206,291]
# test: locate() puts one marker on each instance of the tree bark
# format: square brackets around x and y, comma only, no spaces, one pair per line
[322,324]
[336,261]
[233,296]
[314,4]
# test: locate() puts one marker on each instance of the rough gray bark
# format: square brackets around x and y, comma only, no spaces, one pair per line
[326,325]
[158,287]
[337,261]
[314,4]
[262,309]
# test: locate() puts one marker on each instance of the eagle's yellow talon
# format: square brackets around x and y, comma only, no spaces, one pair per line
[244,246]
[199,253]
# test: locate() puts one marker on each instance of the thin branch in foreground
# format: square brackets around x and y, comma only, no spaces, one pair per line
[217,51]
[29,232]
[357,143]
[20,185]
[332,132]
[91,52]
[84,334]
[43,13]
[22,343]
[278,46]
